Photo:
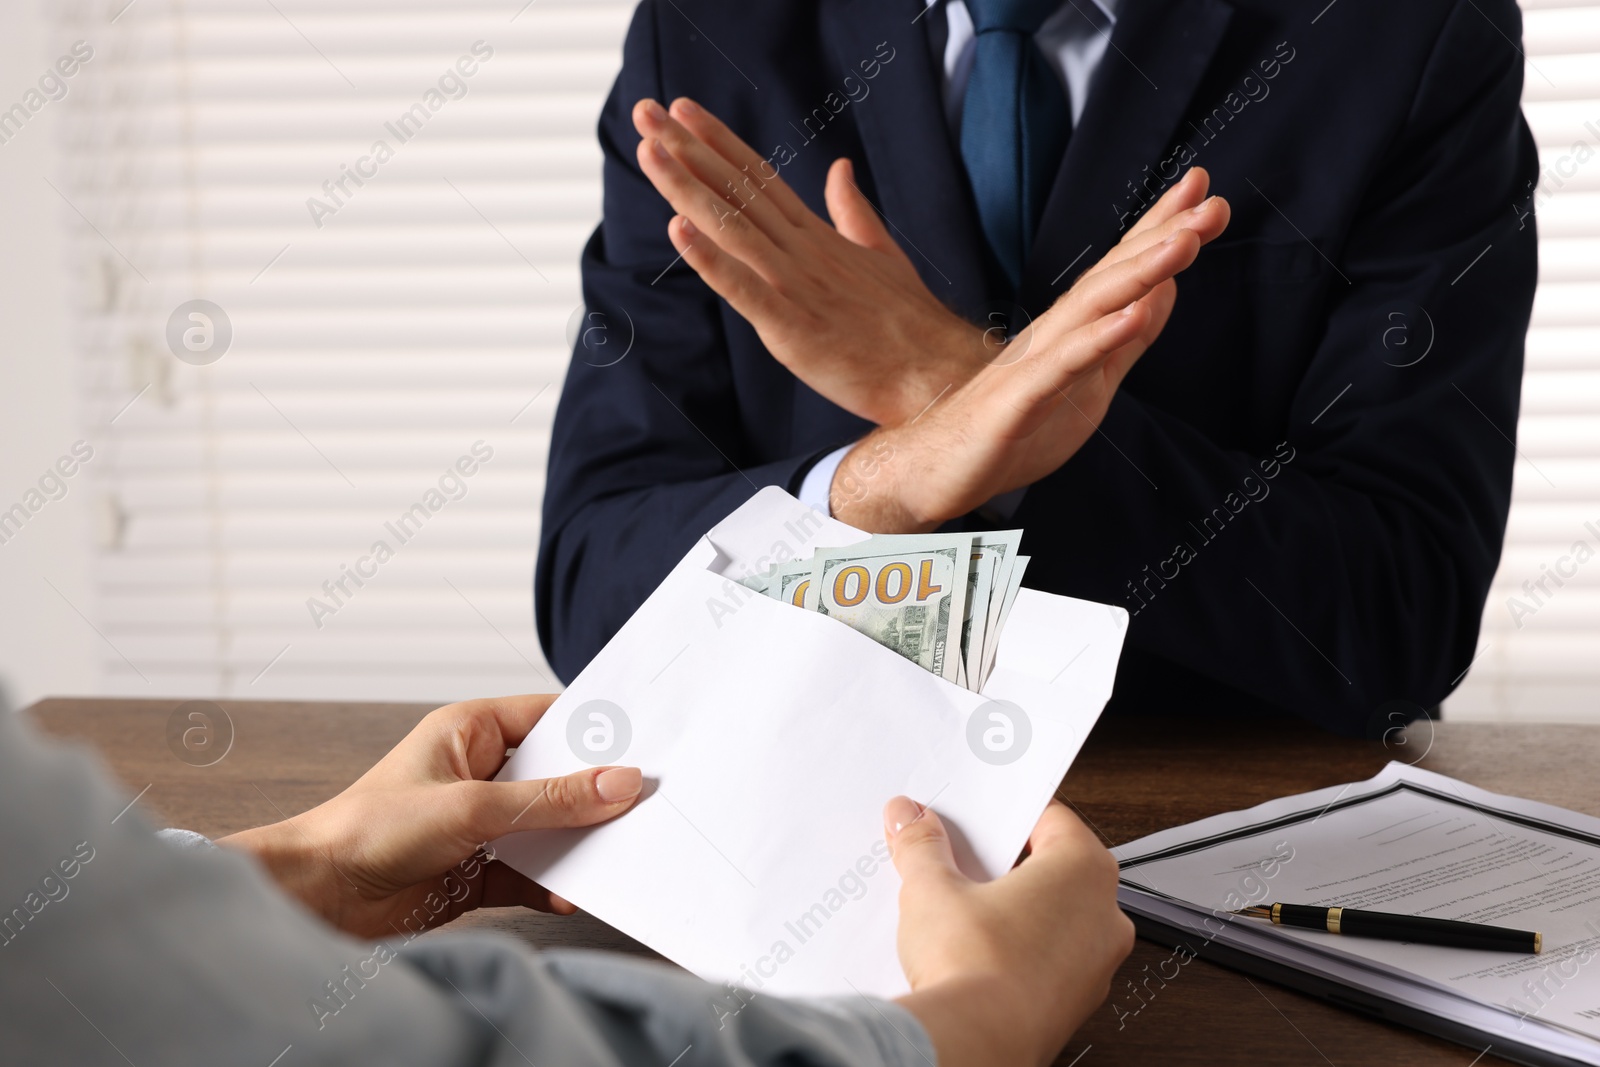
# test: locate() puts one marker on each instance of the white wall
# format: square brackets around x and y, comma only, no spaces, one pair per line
[45,645]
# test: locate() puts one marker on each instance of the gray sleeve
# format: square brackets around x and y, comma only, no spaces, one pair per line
[117,947]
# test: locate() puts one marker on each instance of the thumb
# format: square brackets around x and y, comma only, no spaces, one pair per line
[853,214]
[919,841]
[582,798]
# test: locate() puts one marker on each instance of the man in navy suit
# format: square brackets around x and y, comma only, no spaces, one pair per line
[1300,488]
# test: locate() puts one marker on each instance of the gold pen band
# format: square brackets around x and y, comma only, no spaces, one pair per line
[1277,914]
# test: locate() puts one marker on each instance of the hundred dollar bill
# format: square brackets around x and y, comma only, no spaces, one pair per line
[1004,603]
[980,584]
[908,593]
[1000,546]
[792,584]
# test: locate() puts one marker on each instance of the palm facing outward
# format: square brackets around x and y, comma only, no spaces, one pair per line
[963,415]
[842,308]
[1024,415]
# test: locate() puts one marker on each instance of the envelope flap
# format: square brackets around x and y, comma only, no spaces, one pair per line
[773,527]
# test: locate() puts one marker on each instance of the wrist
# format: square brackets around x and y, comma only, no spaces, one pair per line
[948,353]
[979,1020]
[961,351]
[868,487]
[298,860]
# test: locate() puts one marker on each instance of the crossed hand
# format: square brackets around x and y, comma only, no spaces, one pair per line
[963,415]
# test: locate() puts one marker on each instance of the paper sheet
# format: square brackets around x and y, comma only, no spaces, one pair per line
[771,737]
[1416,843]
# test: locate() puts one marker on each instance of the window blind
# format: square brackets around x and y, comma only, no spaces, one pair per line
[1536,658]
[398,316]
[387,202]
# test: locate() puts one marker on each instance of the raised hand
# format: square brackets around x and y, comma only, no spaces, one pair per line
[843,308]
[1026,414]
[964,413]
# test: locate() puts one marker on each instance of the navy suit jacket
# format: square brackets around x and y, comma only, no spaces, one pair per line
[1300,491]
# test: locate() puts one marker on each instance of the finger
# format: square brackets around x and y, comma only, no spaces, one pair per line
[1108,291]
[1190,190]
[469,739]
[1059,830]
[1165,215]
[516,715]
[853,215]
[1116,368]
[739,195]
[735,229]
[716,174]
[1063,850]
[1159,303]
[1205,220]
[918,841]
[1186,195]
[493,809]
[731,147]
[1043,377]
[729,277]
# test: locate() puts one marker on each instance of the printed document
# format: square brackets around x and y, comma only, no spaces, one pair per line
[1410,842]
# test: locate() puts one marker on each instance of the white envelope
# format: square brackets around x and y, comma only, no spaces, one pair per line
[770,739]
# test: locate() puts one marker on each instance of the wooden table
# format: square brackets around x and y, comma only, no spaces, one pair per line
[1133,778]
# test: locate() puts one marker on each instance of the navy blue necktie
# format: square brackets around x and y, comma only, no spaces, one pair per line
[1015,122]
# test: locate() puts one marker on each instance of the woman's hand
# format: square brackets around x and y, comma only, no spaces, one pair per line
[399,851]
[1003,972]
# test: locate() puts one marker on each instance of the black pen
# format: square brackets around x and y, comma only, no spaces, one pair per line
[1417,928]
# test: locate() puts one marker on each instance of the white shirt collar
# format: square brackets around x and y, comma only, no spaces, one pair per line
[1108,8]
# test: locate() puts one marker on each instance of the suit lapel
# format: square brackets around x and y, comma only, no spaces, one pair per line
[1141,90]
[915,169]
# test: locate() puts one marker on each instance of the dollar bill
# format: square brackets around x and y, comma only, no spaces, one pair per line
[1000,546]
[792,585]
[908,593]
[940,600]
[1003,608]
[980,585]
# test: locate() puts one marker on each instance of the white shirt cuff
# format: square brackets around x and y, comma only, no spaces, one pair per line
[818,482]
[817,485]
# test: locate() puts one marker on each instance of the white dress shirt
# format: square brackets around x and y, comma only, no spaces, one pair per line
[1073,41]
